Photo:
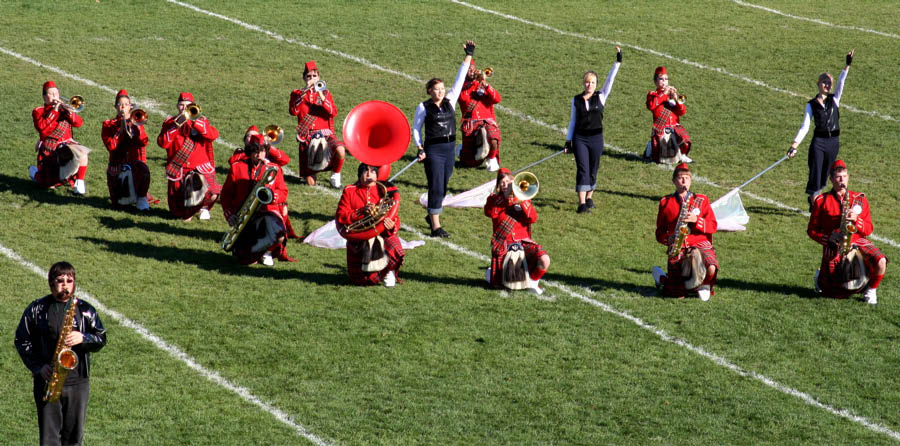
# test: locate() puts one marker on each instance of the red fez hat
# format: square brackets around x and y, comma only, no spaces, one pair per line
[185,96]
[682,167]
[839,164]
[253,128]
[310,66]
[121,93]
[258,138]
[48,85]
[659,72]
[503,171]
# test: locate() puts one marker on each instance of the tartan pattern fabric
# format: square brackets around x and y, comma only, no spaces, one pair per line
[673,284]
[830,275]
[62,129]
[393,248]
[174,168]
[533,252]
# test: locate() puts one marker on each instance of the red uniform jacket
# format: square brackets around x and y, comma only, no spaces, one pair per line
[498,207]
[321,113]
[355,198]
[201,131]
[667,217]
[123,149]
[657,101]
[241,179]
[482,105]
[826,217]
[46,119]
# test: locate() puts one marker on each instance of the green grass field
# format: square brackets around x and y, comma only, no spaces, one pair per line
[294,355]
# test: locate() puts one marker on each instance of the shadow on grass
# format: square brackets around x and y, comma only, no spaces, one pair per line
[653,198]
[165,228]
[213,261]
[62,195]
[765,210]
[600,285]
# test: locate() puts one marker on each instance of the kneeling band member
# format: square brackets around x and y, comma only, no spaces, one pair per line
[264,235]
[511,243]
[685,223]
[319,148]
[60,159]
[368,220]
[840,221]
[127,174]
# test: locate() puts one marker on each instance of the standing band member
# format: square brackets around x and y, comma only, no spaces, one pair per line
[319,148]
[840,221]
[265,235]
[823,111]
[61,413]
[373,255]
[481,134]
[190,161]
[669,141]
[60,159]
[127,174]
[685,223]
[437,146]
[585,136]
[511,241]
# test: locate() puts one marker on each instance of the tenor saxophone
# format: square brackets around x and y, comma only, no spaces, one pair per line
[848,228]
[681,227]
[64,359]
[259,194]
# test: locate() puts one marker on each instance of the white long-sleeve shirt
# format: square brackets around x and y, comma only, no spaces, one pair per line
[807,114]
[452,96]
[604,93]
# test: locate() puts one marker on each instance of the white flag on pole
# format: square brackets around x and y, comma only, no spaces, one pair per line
[472,198]
[730,213]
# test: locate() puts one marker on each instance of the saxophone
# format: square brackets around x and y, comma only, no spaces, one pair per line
[848,228]
[259,194]
[681,227]
[64,359]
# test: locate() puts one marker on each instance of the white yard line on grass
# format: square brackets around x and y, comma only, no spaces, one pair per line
[303,432]
[817,21]
[176,352]
[760,83]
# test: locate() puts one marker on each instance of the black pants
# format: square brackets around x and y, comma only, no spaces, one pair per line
[439,160]
[587,160]
[62,423]
[822,153]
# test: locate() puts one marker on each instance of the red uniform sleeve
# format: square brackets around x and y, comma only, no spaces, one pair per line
[109,133]
[294,104]
[655,100]
[167,134]
[327,105]
[816,229]
[864,225]
[496,205]
[395,194]
[706,221]
[45,120]
[662,223]
[491,95]
[73,118]
[346,213]
[279,188]
[228,197]
[278,156]
[528,212]
[143,141]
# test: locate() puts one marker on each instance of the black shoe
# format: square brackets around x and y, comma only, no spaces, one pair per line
[583,209]
[590,203]
[439,232]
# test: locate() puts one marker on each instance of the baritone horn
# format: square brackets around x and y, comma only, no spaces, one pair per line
[73,104]
[273,134]
[525,186]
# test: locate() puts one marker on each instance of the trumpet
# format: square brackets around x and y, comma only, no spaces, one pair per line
[273,134]
[488,72]
[320,86]
[73,104]
[682,98]
[139,117]
[191,111]
[525,186]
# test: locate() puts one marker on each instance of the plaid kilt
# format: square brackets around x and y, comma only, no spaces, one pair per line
[673,283]
[533,253]
[393,249]
[140,175]
[830,274]
[176,193]
[242,246]
[303,158]
[471,131]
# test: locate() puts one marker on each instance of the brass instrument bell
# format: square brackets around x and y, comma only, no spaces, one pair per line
[320,86]
[273,134]
[682,98]
[75,103]
[139,117]
[192,111]
[488,72]
[525,186]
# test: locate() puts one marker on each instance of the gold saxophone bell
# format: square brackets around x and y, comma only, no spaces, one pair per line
[273,134]
[139,117]
[526,186]
[488,72]
[75,103]
[320,86]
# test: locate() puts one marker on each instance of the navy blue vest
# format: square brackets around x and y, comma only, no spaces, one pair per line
[440,122]
[826,117]
[588,121]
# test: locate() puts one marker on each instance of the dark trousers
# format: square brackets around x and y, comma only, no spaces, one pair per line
[822,153]
[587,160]
[62,423]
[439,159]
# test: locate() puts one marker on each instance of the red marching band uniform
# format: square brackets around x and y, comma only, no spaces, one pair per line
[351,208]
[512,220]
[826,220]
[126,153]
[667,115]
[189,148]
[699,237]
[315,117]
[54,129]
[476,102]
[267,230]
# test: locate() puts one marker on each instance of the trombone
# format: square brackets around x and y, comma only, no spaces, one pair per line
[191,112]
[73,104]
[138,117]
[525,186]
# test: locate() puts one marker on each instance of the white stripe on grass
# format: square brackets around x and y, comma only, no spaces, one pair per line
[721,361]
[177,353]
[818,21]
[702,66]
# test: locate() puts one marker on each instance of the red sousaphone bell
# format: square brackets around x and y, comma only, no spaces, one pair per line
[377,133]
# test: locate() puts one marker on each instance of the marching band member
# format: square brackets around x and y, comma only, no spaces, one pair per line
[692,265]
[512,220]
[477,100]
[823,111]
[190,162]
[437,146]
[668,139]
[319,148]
[264,237]
[60,159]
[127,174]
[585,135]
[836,215]
[37,340]
[377,260]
